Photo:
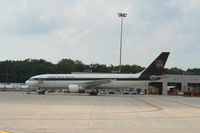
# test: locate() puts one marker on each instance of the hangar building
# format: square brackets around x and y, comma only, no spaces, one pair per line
[184,83]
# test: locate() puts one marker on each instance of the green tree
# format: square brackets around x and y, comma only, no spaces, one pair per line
[195,71]
[98,68]
[173,70]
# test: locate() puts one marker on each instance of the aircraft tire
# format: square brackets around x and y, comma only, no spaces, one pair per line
[93,93]
[41,92]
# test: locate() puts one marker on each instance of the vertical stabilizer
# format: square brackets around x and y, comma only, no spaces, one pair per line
[156,67]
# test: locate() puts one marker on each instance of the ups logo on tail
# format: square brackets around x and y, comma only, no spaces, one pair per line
[159,64]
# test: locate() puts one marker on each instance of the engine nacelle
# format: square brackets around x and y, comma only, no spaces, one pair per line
[76,89]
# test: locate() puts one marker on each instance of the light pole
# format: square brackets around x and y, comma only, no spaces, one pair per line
[122,15]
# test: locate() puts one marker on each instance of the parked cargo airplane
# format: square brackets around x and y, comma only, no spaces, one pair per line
[80,82]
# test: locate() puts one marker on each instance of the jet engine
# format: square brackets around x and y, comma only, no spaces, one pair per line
[76,89]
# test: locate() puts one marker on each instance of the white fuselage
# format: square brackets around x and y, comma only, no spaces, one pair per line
[64,80]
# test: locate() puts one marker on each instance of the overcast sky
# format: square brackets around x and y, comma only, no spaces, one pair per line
[89,30]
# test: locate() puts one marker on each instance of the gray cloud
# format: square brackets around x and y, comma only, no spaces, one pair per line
[89,30]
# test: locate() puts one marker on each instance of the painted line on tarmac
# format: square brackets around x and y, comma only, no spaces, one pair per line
[3,131]
[189,105]
[80,113]
[157,108]
[113,128]
[101,119]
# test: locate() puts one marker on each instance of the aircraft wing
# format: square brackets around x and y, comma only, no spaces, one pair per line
[155,77]
[95,83]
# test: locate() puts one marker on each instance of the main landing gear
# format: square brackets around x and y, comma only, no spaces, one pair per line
[94,92]
[41,91]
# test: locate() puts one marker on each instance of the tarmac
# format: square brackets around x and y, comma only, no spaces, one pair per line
[75,113]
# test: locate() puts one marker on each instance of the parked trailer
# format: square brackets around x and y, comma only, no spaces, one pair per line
[3,89]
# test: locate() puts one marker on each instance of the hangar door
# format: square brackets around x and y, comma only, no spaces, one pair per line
[155,88]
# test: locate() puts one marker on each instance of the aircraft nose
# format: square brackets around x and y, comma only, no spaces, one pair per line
[27,82]
[31,83]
